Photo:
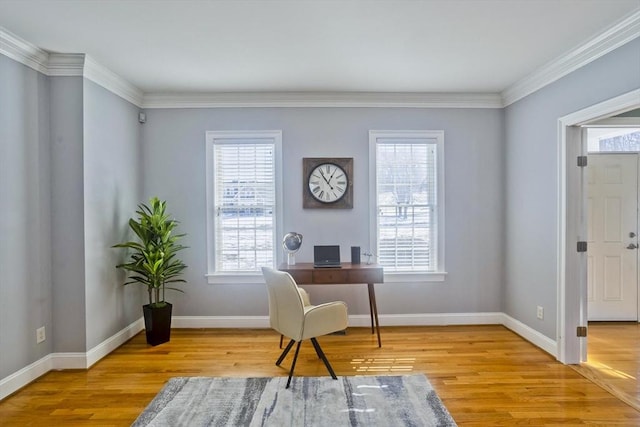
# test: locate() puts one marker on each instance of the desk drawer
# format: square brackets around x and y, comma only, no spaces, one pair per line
[365,275]
[301,276]
[329,275]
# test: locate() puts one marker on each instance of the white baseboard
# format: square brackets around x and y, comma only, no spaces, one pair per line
[24,376]
[113,342]
[437,319]
[53,361]
[60,361]
[196,322]
[531,335]
[355,320]
[364,320]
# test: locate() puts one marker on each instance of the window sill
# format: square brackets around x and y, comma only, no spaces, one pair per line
[229,278]
[414,277]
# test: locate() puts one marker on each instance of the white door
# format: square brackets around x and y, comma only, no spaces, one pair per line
[612,212]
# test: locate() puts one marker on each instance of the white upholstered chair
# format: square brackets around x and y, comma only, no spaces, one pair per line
[305,301]
[291,317]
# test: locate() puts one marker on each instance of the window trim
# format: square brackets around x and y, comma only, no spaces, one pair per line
[211,137]
[437,135]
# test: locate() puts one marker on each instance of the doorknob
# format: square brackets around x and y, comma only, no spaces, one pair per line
[632,234]
[632,246]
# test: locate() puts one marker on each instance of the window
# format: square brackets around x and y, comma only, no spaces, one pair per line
[243,193]
[613,139]
[407,184]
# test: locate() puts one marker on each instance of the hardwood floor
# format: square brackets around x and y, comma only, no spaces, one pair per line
[613,359]
[485,375]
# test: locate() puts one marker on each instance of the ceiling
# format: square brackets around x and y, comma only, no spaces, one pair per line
[459,46]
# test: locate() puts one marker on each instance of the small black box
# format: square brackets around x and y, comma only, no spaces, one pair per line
[355,254]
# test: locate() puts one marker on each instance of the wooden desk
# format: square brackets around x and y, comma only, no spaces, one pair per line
[305,274]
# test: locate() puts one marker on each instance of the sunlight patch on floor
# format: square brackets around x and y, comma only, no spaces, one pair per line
[399,365]
[608,370]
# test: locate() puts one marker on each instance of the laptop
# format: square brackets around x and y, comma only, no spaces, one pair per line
[326,256]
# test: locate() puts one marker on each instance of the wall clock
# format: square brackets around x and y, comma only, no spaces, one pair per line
[327,182]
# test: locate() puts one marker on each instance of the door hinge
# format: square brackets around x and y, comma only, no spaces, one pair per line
[582,161]
[582,247]
[581,331]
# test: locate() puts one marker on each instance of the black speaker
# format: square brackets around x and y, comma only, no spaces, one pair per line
[355,254]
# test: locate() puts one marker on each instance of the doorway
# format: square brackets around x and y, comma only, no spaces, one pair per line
[612,181]
[572,224]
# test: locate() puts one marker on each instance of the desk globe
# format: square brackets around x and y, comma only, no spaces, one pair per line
[291,243]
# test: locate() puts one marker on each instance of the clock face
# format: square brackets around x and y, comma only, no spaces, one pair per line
[328,183]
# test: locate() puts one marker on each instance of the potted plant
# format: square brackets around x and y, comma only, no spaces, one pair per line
[153,263]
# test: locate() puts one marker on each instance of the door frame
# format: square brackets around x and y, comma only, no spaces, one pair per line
[571,216]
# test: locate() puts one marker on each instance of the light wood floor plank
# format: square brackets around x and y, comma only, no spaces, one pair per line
[485,375]
[613,359]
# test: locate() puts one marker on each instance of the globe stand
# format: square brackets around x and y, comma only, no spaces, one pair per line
[291,258]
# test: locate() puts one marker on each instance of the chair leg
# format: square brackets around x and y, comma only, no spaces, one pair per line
[323,357]
[281,337]
[284,353]
[293,365]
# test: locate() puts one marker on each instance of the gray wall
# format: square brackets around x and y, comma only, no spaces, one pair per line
[67,215]
[532,183]
[25,228]
[174,166]
[70,178]
[96,184]
[112,189]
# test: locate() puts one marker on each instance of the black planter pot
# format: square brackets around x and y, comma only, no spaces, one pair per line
[157,323]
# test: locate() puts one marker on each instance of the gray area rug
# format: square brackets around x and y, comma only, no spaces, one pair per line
[407,400]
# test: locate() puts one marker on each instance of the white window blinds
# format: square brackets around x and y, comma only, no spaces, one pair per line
[242,202]
[245,199]
[407,202]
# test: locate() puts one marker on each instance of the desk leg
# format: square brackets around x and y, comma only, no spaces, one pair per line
[371,310]
[374,311]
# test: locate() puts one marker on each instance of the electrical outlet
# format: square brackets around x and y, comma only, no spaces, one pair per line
[40,335]
[540,313]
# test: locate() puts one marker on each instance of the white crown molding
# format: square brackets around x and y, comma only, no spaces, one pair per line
[65,65]
[109,80]
[321,99]
[22,51]
[619,34]
[28,54]
[78,64]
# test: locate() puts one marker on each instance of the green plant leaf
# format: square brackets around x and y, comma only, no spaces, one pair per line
[152,257]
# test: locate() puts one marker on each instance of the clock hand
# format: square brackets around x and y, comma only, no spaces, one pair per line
[325,179]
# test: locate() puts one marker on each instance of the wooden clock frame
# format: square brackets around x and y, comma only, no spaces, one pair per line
[309,164]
